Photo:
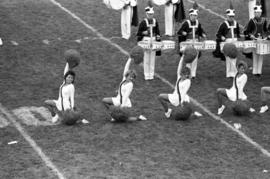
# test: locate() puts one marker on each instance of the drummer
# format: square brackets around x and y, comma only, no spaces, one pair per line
[149,31]
[228,30]
[191,30]
[256,29]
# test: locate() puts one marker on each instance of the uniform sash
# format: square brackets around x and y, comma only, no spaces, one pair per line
[120,91]
[235,84]
[178,90]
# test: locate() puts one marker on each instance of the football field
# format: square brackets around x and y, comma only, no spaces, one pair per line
[35,35]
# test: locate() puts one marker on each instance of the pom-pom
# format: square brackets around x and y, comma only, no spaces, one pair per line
[72,57]
[190,53]
[183,113]
[119,114]
[241,107]
[230,50]
[137,54]
[69,117]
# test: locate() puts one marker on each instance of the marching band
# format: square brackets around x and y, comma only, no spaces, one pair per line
[191,33]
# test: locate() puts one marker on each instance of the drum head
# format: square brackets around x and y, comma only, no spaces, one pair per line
[209,41]
[159,2]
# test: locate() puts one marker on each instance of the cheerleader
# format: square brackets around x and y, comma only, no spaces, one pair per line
[265,95]
[65,100]
[236,91]
[122,99]
[179,96]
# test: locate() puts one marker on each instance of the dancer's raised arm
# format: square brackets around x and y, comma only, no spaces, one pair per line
[180,66]
[66,68]
[127,67]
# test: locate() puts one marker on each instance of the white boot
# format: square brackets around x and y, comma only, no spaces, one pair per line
[142,118]
[264,109]
[55,118]
[221,109]
[168,113]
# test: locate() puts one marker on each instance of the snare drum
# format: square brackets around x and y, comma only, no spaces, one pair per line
[263,48]
[168,44]
[249,46]
[147,45]
[196,45]
[238,44]
[209,44]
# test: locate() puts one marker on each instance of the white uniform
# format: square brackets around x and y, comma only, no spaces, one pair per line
[251,5]
[149,61]
[183,87]
[66,97]
[240,82]
[126,17]
[122,99]
[169,11]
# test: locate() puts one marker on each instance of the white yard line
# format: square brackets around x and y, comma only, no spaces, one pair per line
[244,136]
[32,143]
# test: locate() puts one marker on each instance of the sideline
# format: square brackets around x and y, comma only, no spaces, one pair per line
[243,135]
[32,143]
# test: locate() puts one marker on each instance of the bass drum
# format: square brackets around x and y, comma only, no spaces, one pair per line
[159,2]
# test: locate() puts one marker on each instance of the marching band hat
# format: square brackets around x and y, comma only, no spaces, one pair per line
[257,8]
[230,12]
[193,12]
[149,10]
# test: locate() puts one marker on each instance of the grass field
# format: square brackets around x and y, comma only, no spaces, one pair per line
[31,72]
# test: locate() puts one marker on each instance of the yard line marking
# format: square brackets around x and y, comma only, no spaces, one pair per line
[244,136]
[32,143]
[212,12]
[89,27]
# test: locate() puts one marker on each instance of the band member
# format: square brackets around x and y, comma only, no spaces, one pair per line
[179,95]
[169,11]
[149,31]
[127,17]
[236,91]
[125,88]
[256,29]
[228,31]
[191,30]
[265,95]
